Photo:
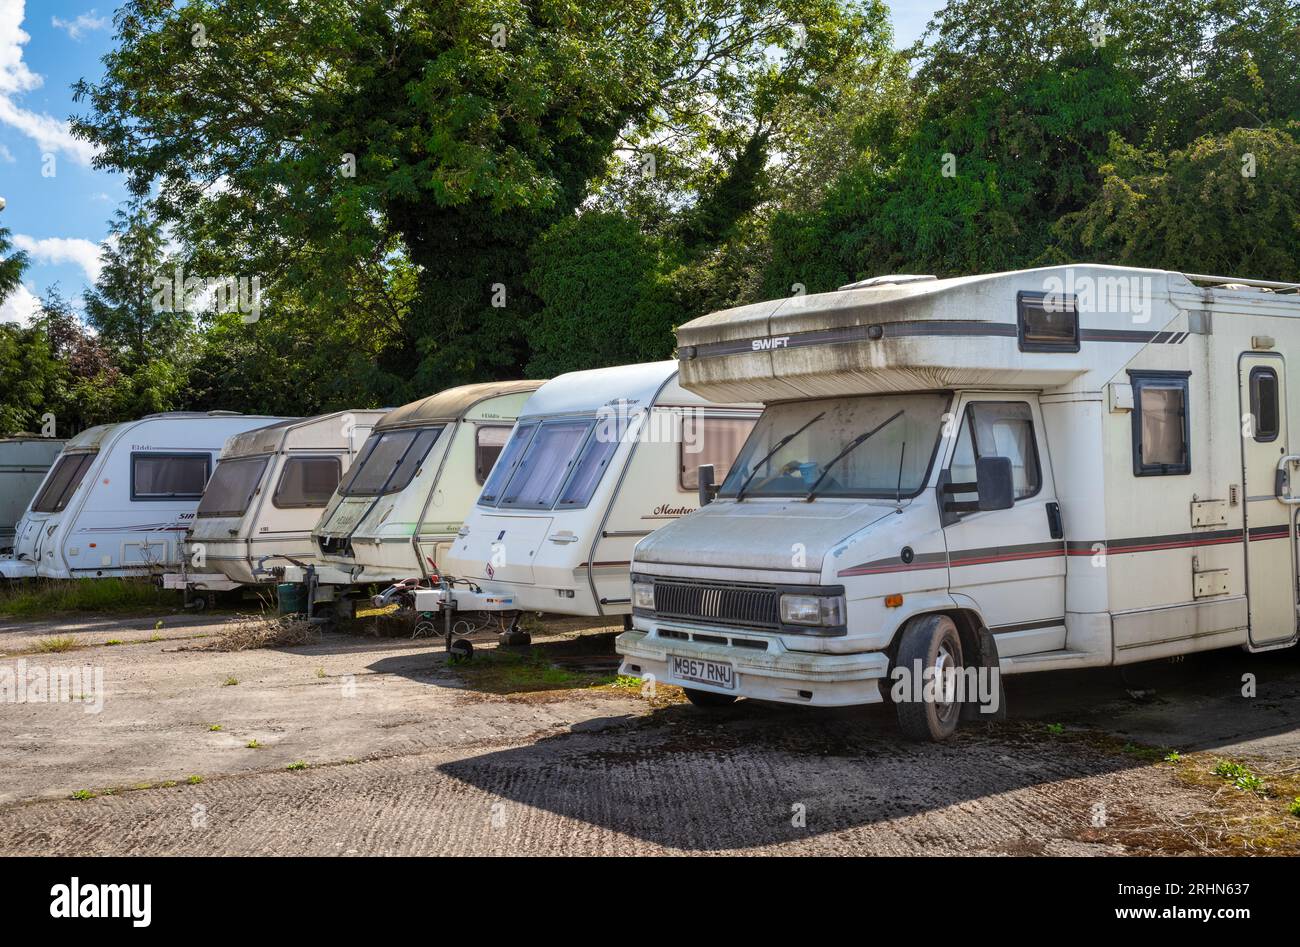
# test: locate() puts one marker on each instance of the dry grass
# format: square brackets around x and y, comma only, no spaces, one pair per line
[249,632]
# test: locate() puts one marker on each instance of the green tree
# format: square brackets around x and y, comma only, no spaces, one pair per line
[12,264]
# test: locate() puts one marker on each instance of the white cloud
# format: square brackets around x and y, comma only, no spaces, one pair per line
[20,306]
[6,155]
[50,134]
[83,253]
[83,24]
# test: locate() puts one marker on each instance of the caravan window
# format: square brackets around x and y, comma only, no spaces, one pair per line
[169,476]
[590,468]
[388,461]
[506,463]
[63,480]
[806,439]
[489,439]
[545,464]
[707,440]
[1264,403]
[1047,322]
[1161,432]
[307,482]
[999,429]
[232,486]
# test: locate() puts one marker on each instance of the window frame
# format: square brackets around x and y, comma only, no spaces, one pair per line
[1180,380]
[284,469]
[136,497]
[968,424]
[1270,371]
[1027,302]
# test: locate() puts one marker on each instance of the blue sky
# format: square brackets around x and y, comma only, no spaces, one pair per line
[60,219]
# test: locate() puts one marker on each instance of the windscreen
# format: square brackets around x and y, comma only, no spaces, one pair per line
[388,461]
[231,488]
[61,483]
[818,447]
[307,482]
[546,462]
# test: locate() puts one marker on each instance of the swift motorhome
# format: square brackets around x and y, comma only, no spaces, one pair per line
[120,497]
[1056,468]
[23,465]
[255,520]
[597,460]
[399,506]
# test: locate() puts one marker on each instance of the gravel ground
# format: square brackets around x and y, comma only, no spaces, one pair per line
[406,756]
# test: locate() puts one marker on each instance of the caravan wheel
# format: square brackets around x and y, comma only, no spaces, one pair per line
[933,641]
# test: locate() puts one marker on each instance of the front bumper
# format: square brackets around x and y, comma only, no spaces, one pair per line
[776,673]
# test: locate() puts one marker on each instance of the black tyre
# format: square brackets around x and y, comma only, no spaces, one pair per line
[708,699]
[516,639]
[933,641]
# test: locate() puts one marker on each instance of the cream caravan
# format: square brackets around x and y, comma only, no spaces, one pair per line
[1056,468]
[598,460]
[24,462]
[399,506]
[255,519]
[120,497]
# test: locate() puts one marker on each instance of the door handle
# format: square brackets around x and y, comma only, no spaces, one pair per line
[1054,520]
[1282,480]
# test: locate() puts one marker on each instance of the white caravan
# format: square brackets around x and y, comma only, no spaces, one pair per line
[598,460]
[255,520]
[394,514]
[23,465]
[1056,468]
[120,497]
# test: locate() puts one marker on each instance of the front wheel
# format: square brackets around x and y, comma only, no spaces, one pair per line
[932,709]
[709,699]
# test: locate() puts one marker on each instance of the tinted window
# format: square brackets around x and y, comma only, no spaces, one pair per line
[232,486]
[1160,425]
[388,461]
[307,481]
[488,443]
[506,464]
[169,476]
[545,464]
[714,441]
[63,480]
[1047,322]
[1264,403]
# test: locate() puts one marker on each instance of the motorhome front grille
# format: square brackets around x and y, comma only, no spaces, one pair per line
[750,606]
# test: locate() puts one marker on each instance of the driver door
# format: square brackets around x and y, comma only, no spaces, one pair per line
[1009,564]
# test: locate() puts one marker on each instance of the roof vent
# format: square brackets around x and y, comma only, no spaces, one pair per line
[886,281]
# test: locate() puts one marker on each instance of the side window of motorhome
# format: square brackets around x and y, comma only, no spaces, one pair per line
[388,461]
[307,482]
[489,441]
[62,482]
[707,440]
[1161,431]
[999,429]
[1263,403]
[169,476]
[232,485]
[545,464]
[506,464]
[1047,322]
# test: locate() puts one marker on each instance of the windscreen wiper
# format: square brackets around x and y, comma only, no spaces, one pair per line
[848,448]
[740,494]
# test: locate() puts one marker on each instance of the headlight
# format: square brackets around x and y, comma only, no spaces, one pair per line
[812,609]
[643,595]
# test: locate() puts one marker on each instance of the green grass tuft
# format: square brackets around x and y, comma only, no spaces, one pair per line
[41,599]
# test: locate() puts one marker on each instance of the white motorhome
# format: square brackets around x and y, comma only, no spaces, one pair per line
[120,497]
[1064,467]
[598,460]
[255,519]
[398,508]
[24,462]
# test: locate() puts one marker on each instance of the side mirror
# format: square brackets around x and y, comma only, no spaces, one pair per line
[995,483]
[707,488]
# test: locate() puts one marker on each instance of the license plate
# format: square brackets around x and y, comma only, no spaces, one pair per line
[716,673]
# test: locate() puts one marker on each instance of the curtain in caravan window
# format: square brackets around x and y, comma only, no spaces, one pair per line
[590,469]
[545,464]
[307,482]
[1162,425]
[168,476]
[714,441]
[231,488]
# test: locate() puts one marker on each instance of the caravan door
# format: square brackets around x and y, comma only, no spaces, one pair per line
[1269,524]
[1009,564]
